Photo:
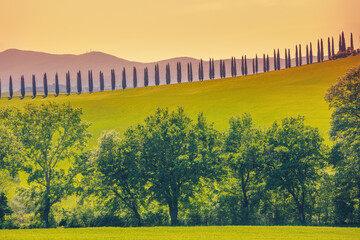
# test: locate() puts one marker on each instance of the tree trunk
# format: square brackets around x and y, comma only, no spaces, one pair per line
[173,210]
[137,216]
[301,214]
[46,210]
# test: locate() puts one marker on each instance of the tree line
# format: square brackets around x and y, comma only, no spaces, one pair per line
[343,51]
[174,170]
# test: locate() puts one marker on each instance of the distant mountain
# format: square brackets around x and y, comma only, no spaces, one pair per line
[18,62]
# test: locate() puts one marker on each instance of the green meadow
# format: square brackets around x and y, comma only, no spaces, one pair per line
[177,233]
[267,97]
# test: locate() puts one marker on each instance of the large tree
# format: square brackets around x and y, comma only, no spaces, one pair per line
[295,157]
[343,97]
[51,134]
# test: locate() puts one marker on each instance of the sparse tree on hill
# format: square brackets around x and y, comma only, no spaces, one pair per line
[329,49]
[91,82]
[57,88]
[34,86]
[221,72]
[224,70]
[157,75]
[253,65]
[275,61]
[113,81]
[242,66]
[256,64]
[235,69]
[168,76]
[68,83]
[210,69]
[201,69]
[340,43]
[79,83]
[45,86]
[124,78]
[289,58]
[102,82]
[264,63]
[191,72]
[146,77]
[134,77]
[307,54]
[246,67]
[297,55]
[322,51]
[311,54]
[232,66]
[332,47]
[10,88]
[286,59]
[351,42]
[22,87]
[278,60]
[300,56]
[179,75]
[318,51]
[267,63]
[343,42]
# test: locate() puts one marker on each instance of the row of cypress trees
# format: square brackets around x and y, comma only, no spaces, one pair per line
[244,69]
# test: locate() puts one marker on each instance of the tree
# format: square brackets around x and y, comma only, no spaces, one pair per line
[340,43]
[177,153]
[10,88]
[102,84]
[311,54]
[295,158]
[79,83]
[223,69]
[22,87]
[68,84]
[351,42]
[57,90]
[253,65]
[307,55]
[243,152]
[124,78]
[50,134]
[190,74]
[343,44]
[119,171]
[264,63]
[178,72]
[332,47]
[45,86]
[318,52]
[146,77]
[134,77]
[113,80]
[329,49]
[256,64]
[157,75]
[34,86]
[286,59]
[289,58]
[275,61]
[322,51]
[278,60]
[235,71]
[199,72]
[210,69]
[343,97]
[297,55]
[232,66]
[168,74]
[300,56]
[267,63]
[91,82]
[245,66]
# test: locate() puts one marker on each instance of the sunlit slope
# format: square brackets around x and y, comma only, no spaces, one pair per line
[267,97]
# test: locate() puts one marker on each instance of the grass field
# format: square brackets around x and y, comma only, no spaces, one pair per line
[177,233]
[267,97]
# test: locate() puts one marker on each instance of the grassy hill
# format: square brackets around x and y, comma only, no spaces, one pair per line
[266,96]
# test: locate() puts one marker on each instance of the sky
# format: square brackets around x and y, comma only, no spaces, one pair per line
[147,31]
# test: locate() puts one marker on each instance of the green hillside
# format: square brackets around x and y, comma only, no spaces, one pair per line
[267,97]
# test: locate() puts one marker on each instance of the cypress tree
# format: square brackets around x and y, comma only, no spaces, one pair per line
[199,72]
[224,70]
[307,54]
[178,68]
[210,69]
[191,72]
[146,77]
[235,69]
[264,63]
[22,87]
[202,69]
[311,54]
[297,56]
[242,66]
[221,73]
[157,75]
[68,84]
[45,86]
[351,42]
[213,69]
[168,78]
[246,67]
[256,64]
[134,77]
[124,78]
[286,59]
[340,44]
[332,47]
[188,72]
[102,84]
[318,51]
[57,90]
[300,56]
[79,83]
[113,81]
[343,41]
[267,63]
[34,86]
[10,88]
[232,66]
[322,51]
[289,59]
[91,83]
[329,49]
[278,60]
[275,67]
[253,63]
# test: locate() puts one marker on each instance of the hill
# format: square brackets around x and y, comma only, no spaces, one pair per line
[266,96]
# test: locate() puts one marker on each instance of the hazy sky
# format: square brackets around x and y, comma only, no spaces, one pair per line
[150,30]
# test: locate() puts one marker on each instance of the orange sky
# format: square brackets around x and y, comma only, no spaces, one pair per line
[144,30]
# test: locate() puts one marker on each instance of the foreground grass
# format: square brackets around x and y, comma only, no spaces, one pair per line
[174,233]
[267,97]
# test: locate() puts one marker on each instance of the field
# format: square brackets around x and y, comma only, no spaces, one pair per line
[267,97]
[177,233]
